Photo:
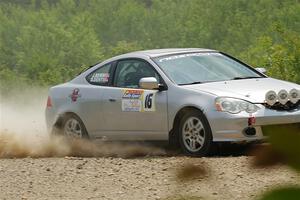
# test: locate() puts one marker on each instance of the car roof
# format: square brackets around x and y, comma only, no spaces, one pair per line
[162,52]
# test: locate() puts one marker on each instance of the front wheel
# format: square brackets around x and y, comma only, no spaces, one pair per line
[195,135]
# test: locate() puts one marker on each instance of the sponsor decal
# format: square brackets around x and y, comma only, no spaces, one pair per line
[132,94]
[75,95]
[134,100]
[100,78]
[185,55]
[251,120]
[149,101]
[131,105]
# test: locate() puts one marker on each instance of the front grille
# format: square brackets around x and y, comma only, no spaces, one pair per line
[289,106]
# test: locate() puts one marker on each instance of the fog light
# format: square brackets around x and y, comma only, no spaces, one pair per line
[283,96]
[271,98]
[250,131]
[294,95]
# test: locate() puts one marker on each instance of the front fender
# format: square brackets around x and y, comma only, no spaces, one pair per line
[180,98]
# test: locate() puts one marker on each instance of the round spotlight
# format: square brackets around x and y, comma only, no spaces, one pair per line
[294,95]
[271,98]
[283,96]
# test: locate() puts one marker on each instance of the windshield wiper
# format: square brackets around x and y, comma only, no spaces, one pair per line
[246,77]
[193,83]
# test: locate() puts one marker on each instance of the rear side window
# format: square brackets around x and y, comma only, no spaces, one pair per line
[101,76]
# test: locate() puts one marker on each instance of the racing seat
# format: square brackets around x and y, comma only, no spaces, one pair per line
[132,79]
[142,70]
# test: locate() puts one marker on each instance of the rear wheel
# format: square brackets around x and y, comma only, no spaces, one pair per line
[195,136]
[73,127]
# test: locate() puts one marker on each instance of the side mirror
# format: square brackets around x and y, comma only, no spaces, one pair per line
[149,83]
[261,70]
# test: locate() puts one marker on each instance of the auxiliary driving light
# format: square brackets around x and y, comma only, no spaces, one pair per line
[271,98]
[283,96]
[294,95]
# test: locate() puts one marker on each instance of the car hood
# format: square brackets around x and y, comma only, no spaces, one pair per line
[253,90]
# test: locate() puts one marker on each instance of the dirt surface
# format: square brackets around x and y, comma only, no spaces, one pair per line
[136,178]
[113,171]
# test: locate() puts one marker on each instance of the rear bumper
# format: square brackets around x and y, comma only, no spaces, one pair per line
[50,119]
[230,127]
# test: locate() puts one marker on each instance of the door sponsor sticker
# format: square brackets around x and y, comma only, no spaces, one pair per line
[131,105]
[132,94]
[134,100]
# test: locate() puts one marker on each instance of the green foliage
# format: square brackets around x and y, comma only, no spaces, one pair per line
[45,46]
[282,59]
[124,47]
[10,79]
[289,193]
[48,42]
[286,140]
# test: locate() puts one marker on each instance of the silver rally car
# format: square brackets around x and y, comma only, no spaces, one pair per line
[191,97]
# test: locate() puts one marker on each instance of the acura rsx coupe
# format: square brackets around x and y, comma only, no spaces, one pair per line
[191,97]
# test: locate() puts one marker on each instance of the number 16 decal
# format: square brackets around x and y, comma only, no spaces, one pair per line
[149,101]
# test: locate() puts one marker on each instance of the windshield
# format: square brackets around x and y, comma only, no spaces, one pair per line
[193,68]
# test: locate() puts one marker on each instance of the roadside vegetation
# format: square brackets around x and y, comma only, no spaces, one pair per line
[46,42]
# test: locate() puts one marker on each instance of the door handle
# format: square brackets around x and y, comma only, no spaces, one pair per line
[112,100]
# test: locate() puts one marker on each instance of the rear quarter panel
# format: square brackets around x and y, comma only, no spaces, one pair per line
[85,104]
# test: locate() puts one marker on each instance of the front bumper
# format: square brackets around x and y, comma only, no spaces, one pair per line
[230,127]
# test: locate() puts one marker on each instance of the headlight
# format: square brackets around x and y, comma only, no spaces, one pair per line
[234,106]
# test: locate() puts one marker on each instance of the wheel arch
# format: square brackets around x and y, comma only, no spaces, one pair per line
[59,121]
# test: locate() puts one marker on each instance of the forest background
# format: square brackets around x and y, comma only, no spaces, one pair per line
[46,42]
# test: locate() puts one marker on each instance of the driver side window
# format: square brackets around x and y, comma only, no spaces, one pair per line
[129,73]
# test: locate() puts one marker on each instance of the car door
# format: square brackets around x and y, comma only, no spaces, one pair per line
[130,112]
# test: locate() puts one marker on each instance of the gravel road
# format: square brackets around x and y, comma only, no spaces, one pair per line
[117,177]
[136,178]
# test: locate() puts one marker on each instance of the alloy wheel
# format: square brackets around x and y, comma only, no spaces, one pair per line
[73,128]
[193,134]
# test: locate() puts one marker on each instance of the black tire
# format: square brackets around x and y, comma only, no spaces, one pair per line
[200,138]
[65,128]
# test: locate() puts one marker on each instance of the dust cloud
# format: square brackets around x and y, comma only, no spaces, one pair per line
[191,171]
[23,133]
[22,112]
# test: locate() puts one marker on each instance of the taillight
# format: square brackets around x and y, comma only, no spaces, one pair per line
[49,102]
